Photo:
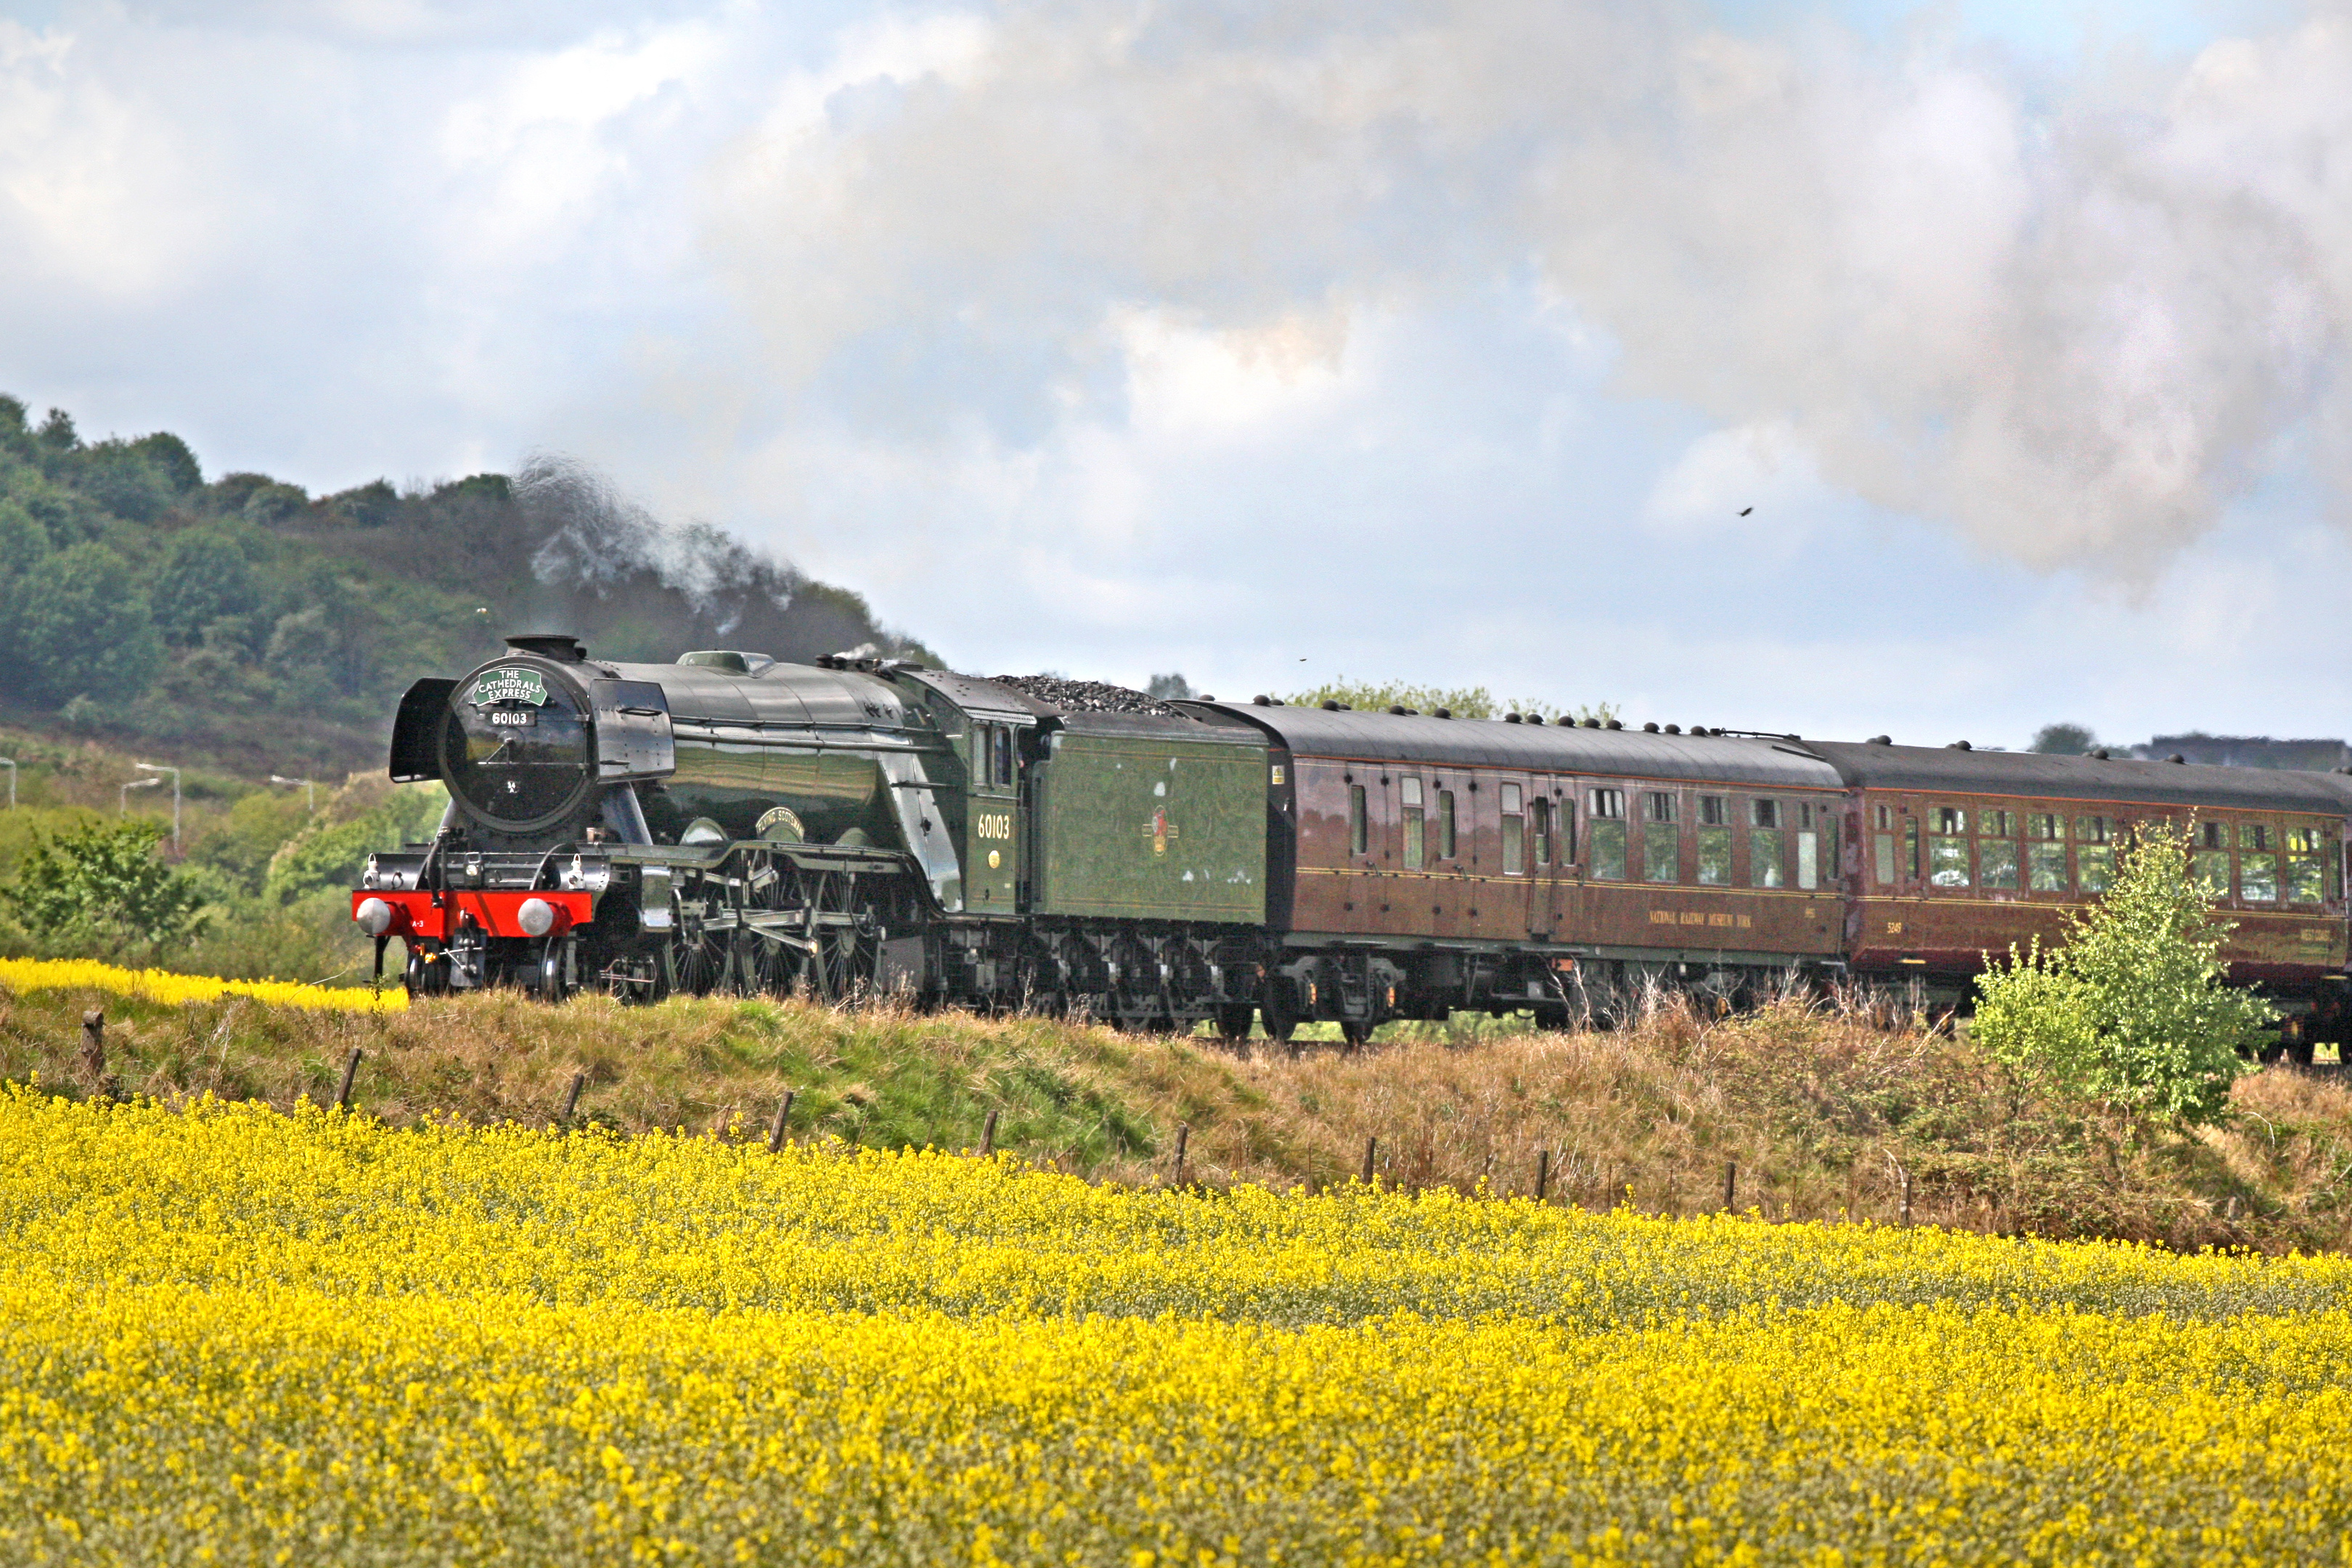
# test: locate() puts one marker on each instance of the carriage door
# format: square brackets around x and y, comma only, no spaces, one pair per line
[1547,856]
[1516,902]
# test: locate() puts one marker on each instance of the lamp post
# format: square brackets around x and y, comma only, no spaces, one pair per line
[10,763]
[135,784]
[309,791]
[159,768]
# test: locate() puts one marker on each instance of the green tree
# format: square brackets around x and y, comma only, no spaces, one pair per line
[82,630]
[1462,701]
[205,575]
[2064,740]
[99,886]
[119,477]
[2131,1008]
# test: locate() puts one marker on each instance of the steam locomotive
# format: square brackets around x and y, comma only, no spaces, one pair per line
[866,828]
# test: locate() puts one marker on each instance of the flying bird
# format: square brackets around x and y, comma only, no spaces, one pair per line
[1746,510]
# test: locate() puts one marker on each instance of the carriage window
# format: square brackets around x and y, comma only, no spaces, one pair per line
[1998,824]
[1828,845]
[1947,851]
[2095,855]
[1539,822]
[2212,835]
[1409,800]
[2258,877]
[1768,855]
[2045,855]
[2303,878]
[2213,871]
[1911,844]
[1514,831]
[1997,861]
[1608,803]
[1882,846]
[1662,840]
[2258,865]
[1714,841]
[1446,824]
[1808,848]
[1358,830]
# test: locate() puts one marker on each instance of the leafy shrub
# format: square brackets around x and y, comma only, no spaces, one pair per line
[2132,1008]
[99,886]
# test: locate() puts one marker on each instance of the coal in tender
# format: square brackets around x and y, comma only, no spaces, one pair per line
[1085,696]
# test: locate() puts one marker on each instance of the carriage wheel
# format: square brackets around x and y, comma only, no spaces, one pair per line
[1234,1023]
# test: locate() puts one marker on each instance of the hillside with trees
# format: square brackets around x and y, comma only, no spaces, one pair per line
[243,621]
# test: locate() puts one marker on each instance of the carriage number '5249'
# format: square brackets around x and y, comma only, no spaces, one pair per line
[993,824]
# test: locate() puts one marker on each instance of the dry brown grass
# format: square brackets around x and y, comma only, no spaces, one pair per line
[1820,1111]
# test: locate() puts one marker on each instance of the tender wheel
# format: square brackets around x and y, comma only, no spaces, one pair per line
[1356,1035]
[1234,1023]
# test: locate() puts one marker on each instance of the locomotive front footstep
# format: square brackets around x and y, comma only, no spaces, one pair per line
[858,828]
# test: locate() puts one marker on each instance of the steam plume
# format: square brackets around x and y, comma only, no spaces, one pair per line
[2075,319]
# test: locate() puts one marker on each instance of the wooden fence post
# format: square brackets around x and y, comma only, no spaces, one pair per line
[1731,1185]
[571,1100]
[1906,1200]
[1543,1173]
[1371,1146]
[1183,1135]
[783,1116]
[351,1071]
[988,1137]
[93,1048]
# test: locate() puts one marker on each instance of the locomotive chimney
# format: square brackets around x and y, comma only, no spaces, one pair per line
[561,646]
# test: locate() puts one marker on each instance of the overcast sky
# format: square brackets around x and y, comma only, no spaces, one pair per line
[1269,343]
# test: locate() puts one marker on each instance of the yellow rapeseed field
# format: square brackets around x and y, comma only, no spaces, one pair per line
[229,1335]
[21,974]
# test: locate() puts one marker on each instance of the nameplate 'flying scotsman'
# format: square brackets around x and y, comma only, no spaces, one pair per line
[871,827]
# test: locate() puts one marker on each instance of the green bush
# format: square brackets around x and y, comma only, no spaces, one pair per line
[99,887]
[2132,1008]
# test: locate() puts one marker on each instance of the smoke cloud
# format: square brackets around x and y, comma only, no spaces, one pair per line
[2073,318]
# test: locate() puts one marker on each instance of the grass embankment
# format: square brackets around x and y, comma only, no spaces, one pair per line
[1820,1114]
